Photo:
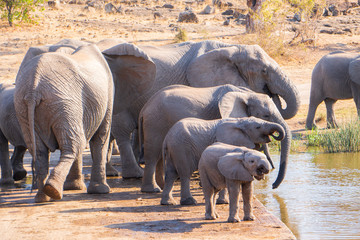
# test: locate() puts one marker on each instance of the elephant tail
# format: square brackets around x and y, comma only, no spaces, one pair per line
[31,104]
[141,137]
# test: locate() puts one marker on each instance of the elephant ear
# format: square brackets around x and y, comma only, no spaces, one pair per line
[354,70]
[231,167]
[215,67]
[233,105]
[132,69]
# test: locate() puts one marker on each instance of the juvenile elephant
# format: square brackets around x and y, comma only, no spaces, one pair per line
[176,102]
[197,64]
[336,76]
[62,102]
[226,166]
[188,138]
[10,132]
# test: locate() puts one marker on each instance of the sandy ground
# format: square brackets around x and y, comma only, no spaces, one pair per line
[126,212]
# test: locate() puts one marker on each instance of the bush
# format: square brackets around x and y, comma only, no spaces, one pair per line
[18,10]
[182,36]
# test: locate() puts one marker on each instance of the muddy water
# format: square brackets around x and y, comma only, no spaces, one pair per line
[320,196]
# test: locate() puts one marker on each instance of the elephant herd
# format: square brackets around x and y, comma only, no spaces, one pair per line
[180,101]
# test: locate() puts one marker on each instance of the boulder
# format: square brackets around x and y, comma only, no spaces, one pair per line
[110,8]
[208,10]
[188,17]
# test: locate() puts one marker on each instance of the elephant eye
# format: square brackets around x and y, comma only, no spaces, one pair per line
[266,116]
[258,127]
[264,71]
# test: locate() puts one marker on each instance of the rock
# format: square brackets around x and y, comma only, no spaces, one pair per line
[89,9]
[188,17]
[228,12]
[208,10]
[97,4]
[54,4]
[110,8]
[157,15]
[325,12]
[227,22]
[168,6]
[120,10]
[297,17]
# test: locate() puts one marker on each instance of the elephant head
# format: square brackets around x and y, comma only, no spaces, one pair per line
[249,66]
[248,132]
[243,166]
[237,104]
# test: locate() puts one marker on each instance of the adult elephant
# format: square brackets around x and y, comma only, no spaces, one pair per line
[336,76]
[63,101]
[176,102]
[198,64]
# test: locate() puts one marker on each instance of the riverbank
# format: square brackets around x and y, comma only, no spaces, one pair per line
[125,213]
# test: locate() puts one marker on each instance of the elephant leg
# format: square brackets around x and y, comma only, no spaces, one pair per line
[209,195]
[330,116]
[17,162]
[122,126]
[6,169]
[41,171]
[247,193]
[170,176]
[234,197]
[135,143]
[355,89]
[223,197]
[186,197]
[99,145]
[110,170]
[55,184]
[152,157]
[310,118]
[75,178]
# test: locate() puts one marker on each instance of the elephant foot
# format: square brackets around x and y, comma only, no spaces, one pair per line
[98,188]
[41,197]
[53,191]
[188,201]
[136,172]
[19,174]
[76,184]
[167,201]
[233,219]
[222,201]
[249,218]
[150,188]
[7,181]
[111,171]
[311,126]
[209,216]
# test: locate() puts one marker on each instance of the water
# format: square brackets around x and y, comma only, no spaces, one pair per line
[320,196]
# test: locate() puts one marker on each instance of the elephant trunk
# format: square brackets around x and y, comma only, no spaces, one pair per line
[284,154]
[288,92]
[278,129]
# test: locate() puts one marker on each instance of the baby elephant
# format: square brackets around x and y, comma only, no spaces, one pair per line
[227,166]
[188,138]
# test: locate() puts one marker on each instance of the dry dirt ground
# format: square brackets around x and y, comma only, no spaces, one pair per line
[126,212]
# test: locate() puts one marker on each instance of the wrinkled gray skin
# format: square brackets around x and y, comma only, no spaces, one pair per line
[62,102]
[10,132]
[226,166]
[197,64]
[188,138]
[336,76]
[176,102]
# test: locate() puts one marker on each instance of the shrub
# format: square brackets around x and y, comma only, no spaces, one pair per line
[18,10]
[181,36]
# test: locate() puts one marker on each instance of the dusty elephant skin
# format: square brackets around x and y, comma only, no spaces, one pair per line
[222,165]
[63,101]
[189,137]
[176,102]
[198,64]
[336,76]
[10,132]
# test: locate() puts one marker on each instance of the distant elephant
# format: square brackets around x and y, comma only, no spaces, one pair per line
[62,102]
[336,76]
[197,64]
[10,132]
[176,102]
[188,138]
[227,166]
